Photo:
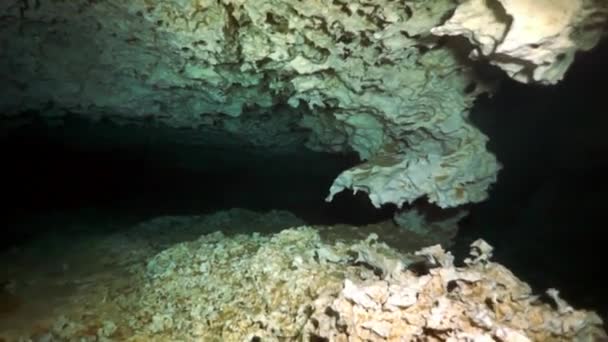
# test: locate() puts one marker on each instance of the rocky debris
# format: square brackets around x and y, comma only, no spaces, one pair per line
[71,277]
[482,301]
[293,286]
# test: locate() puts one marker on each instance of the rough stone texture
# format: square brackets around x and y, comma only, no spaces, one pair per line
[483,301]
[534,41]
[76,285]
[163,281]
[363,75]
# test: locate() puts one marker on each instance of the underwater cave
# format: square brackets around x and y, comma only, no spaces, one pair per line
[247,172]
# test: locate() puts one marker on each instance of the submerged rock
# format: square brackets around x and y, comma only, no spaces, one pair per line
[293,286]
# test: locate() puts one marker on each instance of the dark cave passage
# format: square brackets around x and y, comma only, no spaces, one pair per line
[546,214]
[119,226]
[97,173]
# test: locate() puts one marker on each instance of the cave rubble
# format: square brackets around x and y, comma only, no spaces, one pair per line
[240,276]
[361,76]
[381,78]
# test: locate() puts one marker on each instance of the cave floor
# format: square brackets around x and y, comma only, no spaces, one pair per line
[71,274]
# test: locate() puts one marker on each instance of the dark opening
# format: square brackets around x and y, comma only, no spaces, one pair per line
[93,173]
[546,214]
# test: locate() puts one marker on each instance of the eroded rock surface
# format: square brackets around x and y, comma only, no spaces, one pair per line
[533,41]
[293,286]
[368,76]
[364,76]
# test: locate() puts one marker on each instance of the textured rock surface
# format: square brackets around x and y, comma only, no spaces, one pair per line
[75,285]
[153,283]
[534,41]
[418,221]
[366,76]
[483,301]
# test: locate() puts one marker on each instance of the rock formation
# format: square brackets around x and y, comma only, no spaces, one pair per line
[533,41]
[290,286]
[374,77]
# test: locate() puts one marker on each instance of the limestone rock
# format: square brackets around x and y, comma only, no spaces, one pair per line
[369,77]
[480,302]
[362,76]
[534,41]
[278,287]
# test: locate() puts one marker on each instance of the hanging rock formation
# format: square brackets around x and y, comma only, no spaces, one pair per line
[368,76]
[533,41]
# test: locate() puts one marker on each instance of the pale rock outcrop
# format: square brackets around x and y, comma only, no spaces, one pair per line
[533,41]
[483,301]
[294,286]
